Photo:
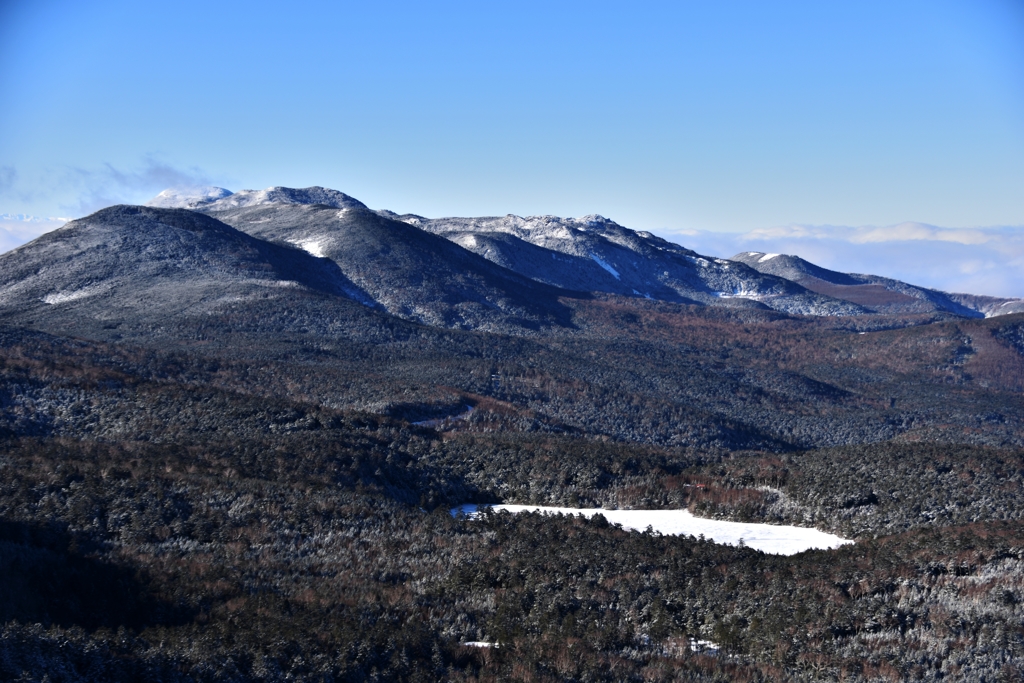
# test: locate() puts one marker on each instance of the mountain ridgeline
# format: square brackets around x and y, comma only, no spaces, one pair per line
[232,427]
[498,274]
[595,254]
[876,294]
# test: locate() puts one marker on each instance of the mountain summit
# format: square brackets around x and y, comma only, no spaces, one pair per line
[187,197]
[220,199]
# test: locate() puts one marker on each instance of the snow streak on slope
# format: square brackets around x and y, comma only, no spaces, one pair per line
[768,538]
[604,265]
[312,246]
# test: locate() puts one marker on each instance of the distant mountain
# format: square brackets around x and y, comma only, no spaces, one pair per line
[594,253]
[876,294]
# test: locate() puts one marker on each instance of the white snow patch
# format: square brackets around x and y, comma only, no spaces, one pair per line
[738,294]
[74,294]
[311,245]
[604,265]
[766,257]
[480,643]
[708,647]
[258,282]
[768,538]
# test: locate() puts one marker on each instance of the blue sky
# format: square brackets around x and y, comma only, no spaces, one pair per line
[689,119]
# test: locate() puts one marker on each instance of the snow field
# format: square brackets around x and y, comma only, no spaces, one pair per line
[768,538]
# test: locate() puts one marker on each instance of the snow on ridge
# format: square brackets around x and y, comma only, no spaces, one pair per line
[188,197]
[287,195]
[768,538]
[310,245]
[604,265]
[766,257]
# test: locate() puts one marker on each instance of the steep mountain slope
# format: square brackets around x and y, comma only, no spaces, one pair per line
[596,254]
[146,268]
[408,272]
[875,293]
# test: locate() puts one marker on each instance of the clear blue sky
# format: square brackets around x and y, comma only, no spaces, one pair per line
[721,116]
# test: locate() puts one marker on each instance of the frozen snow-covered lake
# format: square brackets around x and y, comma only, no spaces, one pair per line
[768,538]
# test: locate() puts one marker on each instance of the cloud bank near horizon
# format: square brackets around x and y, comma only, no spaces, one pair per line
[78,191]
[987,260]
[18,229]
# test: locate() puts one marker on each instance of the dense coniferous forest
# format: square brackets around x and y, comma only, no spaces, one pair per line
[256,484]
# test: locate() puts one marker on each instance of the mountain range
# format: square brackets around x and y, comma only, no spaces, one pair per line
[595,254]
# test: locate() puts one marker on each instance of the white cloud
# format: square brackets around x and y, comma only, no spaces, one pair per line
[902,232]
[988,260]
[80,191]
[108,185]
[17,229]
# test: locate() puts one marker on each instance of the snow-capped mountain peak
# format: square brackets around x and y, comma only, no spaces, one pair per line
[219,199]
[286,195]
[188,197]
